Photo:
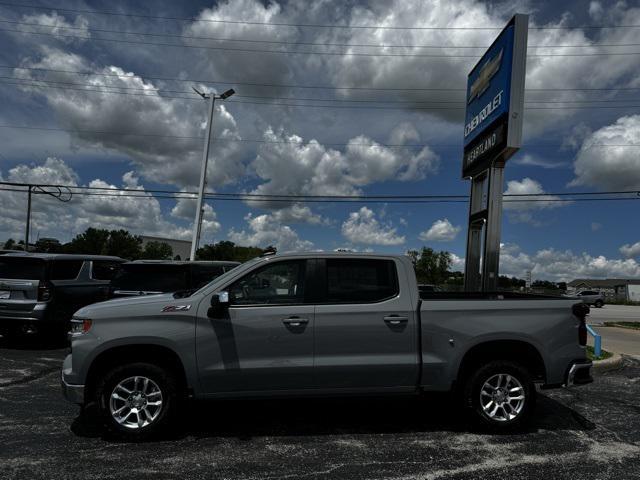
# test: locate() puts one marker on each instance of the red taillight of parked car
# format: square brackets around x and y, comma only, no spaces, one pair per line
[45,292]
[581,311]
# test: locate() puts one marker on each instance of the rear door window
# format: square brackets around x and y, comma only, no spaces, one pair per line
[22,268]
[151,278]
[360,281]
[104,270]
[65,269]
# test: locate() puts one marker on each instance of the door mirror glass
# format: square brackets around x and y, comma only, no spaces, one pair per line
[219,305]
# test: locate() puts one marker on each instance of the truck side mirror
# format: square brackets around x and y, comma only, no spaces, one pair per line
[219,305]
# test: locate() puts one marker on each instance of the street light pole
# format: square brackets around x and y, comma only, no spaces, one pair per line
[197,224]
[26,236]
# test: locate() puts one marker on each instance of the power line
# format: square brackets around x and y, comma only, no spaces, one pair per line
[332,200]
[321,87]
[100,132]
[238,140]
[298,52]
[284,42]
[297,25]
[37,83]
[414,106]
[149,92]
[547,196]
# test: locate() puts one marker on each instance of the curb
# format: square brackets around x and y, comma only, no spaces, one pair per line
[601,366]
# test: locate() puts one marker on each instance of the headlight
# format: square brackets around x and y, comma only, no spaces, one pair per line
[79,326]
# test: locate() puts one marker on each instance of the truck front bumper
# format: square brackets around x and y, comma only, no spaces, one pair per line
[579,373]
[72,392]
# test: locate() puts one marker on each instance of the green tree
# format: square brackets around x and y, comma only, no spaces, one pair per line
[157,251]
[10,244]
[122,244]
[48,245]
[96,241]
[92,242]
[229,251]
[432,267]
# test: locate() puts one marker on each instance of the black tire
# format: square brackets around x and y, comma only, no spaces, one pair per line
[502,421]
[599,304]
[161,424]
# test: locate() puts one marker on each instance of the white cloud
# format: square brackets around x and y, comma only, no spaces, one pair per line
[614,167]
[269,68]
[520,208]
[564,72]
[630,250]
[530,160]
[159,125]
[440,231]
[557,265]
[58,26]
[362,227]
[185,209]
[265,230]
[595,226]
[296,167]
[298,213]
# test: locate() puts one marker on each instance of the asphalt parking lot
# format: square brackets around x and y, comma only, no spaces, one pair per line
[590,432]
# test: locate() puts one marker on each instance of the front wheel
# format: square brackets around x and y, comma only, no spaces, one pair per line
[138,400]
[500,395]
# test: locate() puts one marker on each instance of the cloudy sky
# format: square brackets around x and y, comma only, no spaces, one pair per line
[333,98]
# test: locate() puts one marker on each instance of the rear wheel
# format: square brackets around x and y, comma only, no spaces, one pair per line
[138,400]
[599,303]
[500,396]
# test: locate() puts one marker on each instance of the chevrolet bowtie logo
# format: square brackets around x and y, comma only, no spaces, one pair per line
[487,71]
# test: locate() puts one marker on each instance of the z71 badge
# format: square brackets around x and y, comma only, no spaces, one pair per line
[176,308]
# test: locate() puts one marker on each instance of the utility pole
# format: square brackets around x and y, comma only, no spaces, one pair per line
[26,236]
[197,223]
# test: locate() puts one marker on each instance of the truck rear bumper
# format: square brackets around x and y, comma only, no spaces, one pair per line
[579,373]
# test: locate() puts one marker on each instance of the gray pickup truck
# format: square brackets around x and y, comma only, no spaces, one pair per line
[321,324]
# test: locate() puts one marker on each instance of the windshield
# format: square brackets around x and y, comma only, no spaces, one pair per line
[23,268]
[151,278]
[230,273]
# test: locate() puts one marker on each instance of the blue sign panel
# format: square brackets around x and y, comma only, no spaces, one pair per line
[495,96]
[489,87]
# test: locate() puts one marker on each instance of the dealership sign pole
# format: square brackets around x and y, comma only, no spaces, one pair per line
[492,134]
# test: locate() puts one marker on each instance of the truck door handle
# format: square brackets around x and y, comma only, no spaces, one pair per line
[395,319]
[295,321]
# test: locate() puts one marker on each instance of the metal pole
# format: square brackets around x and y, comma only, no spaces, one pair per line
[197,224]
[491,257]
[26,236]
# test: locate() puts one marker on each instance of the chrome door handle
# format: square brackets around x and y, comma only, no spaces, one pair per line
[295,321]
[395,319]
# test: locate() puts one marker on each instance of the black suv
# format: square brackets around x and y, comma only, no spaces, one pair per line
[41,291]
[149,277]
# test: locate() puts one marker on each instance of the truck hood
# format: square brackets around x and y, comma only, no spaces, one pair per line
[131,303]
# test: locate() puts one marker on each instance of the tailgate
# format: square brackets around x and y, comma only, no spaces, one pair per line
[18,295]
[20,278]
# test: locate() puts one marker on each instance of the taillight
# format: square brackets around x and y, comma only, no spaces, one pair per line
[581,311]
[45,292]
